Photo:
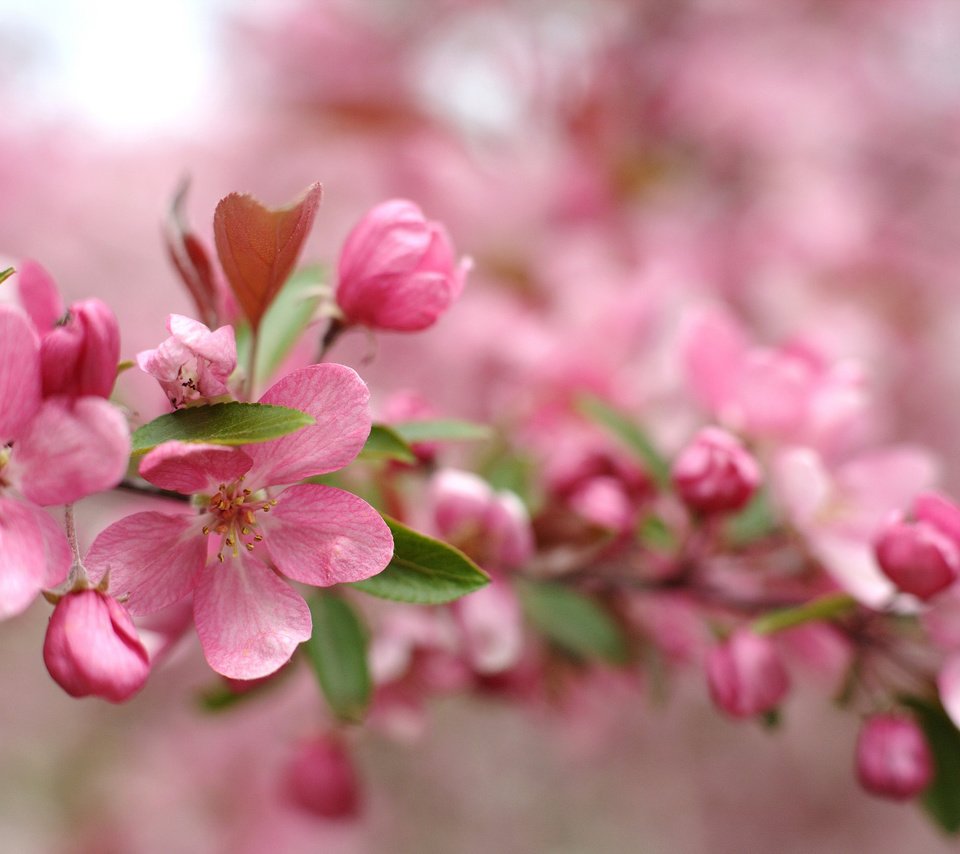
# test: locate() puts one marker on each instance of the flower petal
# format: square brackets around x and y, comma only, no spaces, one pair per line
[23,564]
[337,399]
[948,683]
[72,448]
[191,468]
[39,295]
[248,619]
[19,373]
[152,558]
[321,535]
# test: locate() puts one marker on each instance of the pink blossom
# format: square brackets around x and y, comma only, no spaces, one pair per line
[79,346]
[745,675]
[491,624]
[715,473]
[193,364]
[397,270]
[92,648]
[321,779]
[250,621]
[893,759]
[52,451]
[917,557]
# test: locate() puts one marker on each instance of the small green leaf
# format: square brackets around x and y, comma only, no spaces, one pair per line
[631,434]
[573,621]
[942,797]
[423,570]
[384,443]
[442,430]
[289,315]
[656,535]
[756,520]
[221,424]
[338,652]
[125,365]
[6,274]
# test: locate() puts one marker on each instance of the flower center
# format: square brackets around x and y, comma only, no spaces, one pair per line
[232,515]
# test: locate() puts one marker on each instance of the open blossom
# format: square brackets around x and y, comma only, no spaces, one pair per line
[397,270]
[92,649]
[745,675]
[893,759]
[193,364]
[79,346]
[248,619]
[52,451]
[715,473]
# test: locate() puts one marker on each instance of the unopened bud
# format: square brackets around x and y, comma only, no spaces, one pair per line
[322,780]
[716,473]
[79,356]
[893,759]
[745,675]
[917,557]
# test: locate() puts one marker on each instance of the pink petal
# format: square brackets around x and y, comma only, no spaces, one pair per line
[852,565]
[492,627]
[39,295]
[337,398]
[218,346]
[71,449]
[188,468]
[322,536]
[712,347]
[801,484]
[23,560]
[249,620]
[19,373]
[948,683]
[152,558]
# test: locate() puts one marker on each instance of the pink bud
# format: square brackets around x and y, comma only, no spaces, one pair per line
[917,557]
[397,270]
[92,648]
[716,473]
[321,779]
[194,364]
[893,759]
[745,675]
[79,356]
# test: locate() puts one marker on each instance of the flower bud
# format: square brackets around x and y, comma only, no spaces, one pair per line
[194,364]
[716,473]
[79,356]
[893,759]
[321,779]
[397,270]
[92,648]
[917,557]
[745,675]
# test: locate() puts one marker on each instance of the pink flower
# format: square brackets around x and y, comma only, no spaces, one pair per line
[716,473]
[52,451]
[79,346]
[322,780]
[745,675]
[92,648]
[893,759]
[193,364]
[917,557]
[249,621]
[397,270]
[491,625]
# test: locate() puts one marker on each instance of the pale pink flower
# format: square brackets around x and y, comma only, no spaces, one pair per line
[893,758]
[397,270]
[52,451]
[491,625]
[92,649]
[715,473]
[250,621]
[321,779]
[79,346]
[745,675]
[193,364]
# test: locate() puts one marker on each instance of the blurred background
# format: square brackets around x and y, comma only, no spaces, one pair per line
[607,165]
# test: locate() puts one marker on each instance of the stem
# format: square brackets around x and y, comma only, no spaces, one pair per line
[147,489]
[824,608]
[330,337]
[251,365]
[78,572]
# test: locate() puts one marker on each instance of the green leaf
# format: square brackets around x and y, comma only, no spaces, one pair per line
[423,570]
[631,434]
[384,443]
[442,430]
[338,652]
[756,520]
[573,621]
[221,424]
[6,274]
[942,797]
[287,318]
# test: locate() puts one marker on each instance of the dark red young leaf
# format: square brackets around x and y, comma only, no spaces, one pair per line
[191,259]
[258,246]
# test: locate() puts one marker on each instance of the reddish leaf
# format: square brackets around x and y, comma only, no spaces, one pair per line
[258,247]
[190,257]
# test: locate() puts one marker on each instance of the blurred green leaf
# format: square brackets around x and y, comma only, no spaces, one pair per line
[755,521]
[442,430]
[942,797]
[6,274]
[384,443]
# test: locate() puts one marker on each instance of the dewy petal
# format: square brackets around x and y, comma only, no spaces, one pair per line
[337,398]
[39,295]
[321,535]
[248,619]
[19,373]
[192,468]
[23,560]
[72,448]
[152,558]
